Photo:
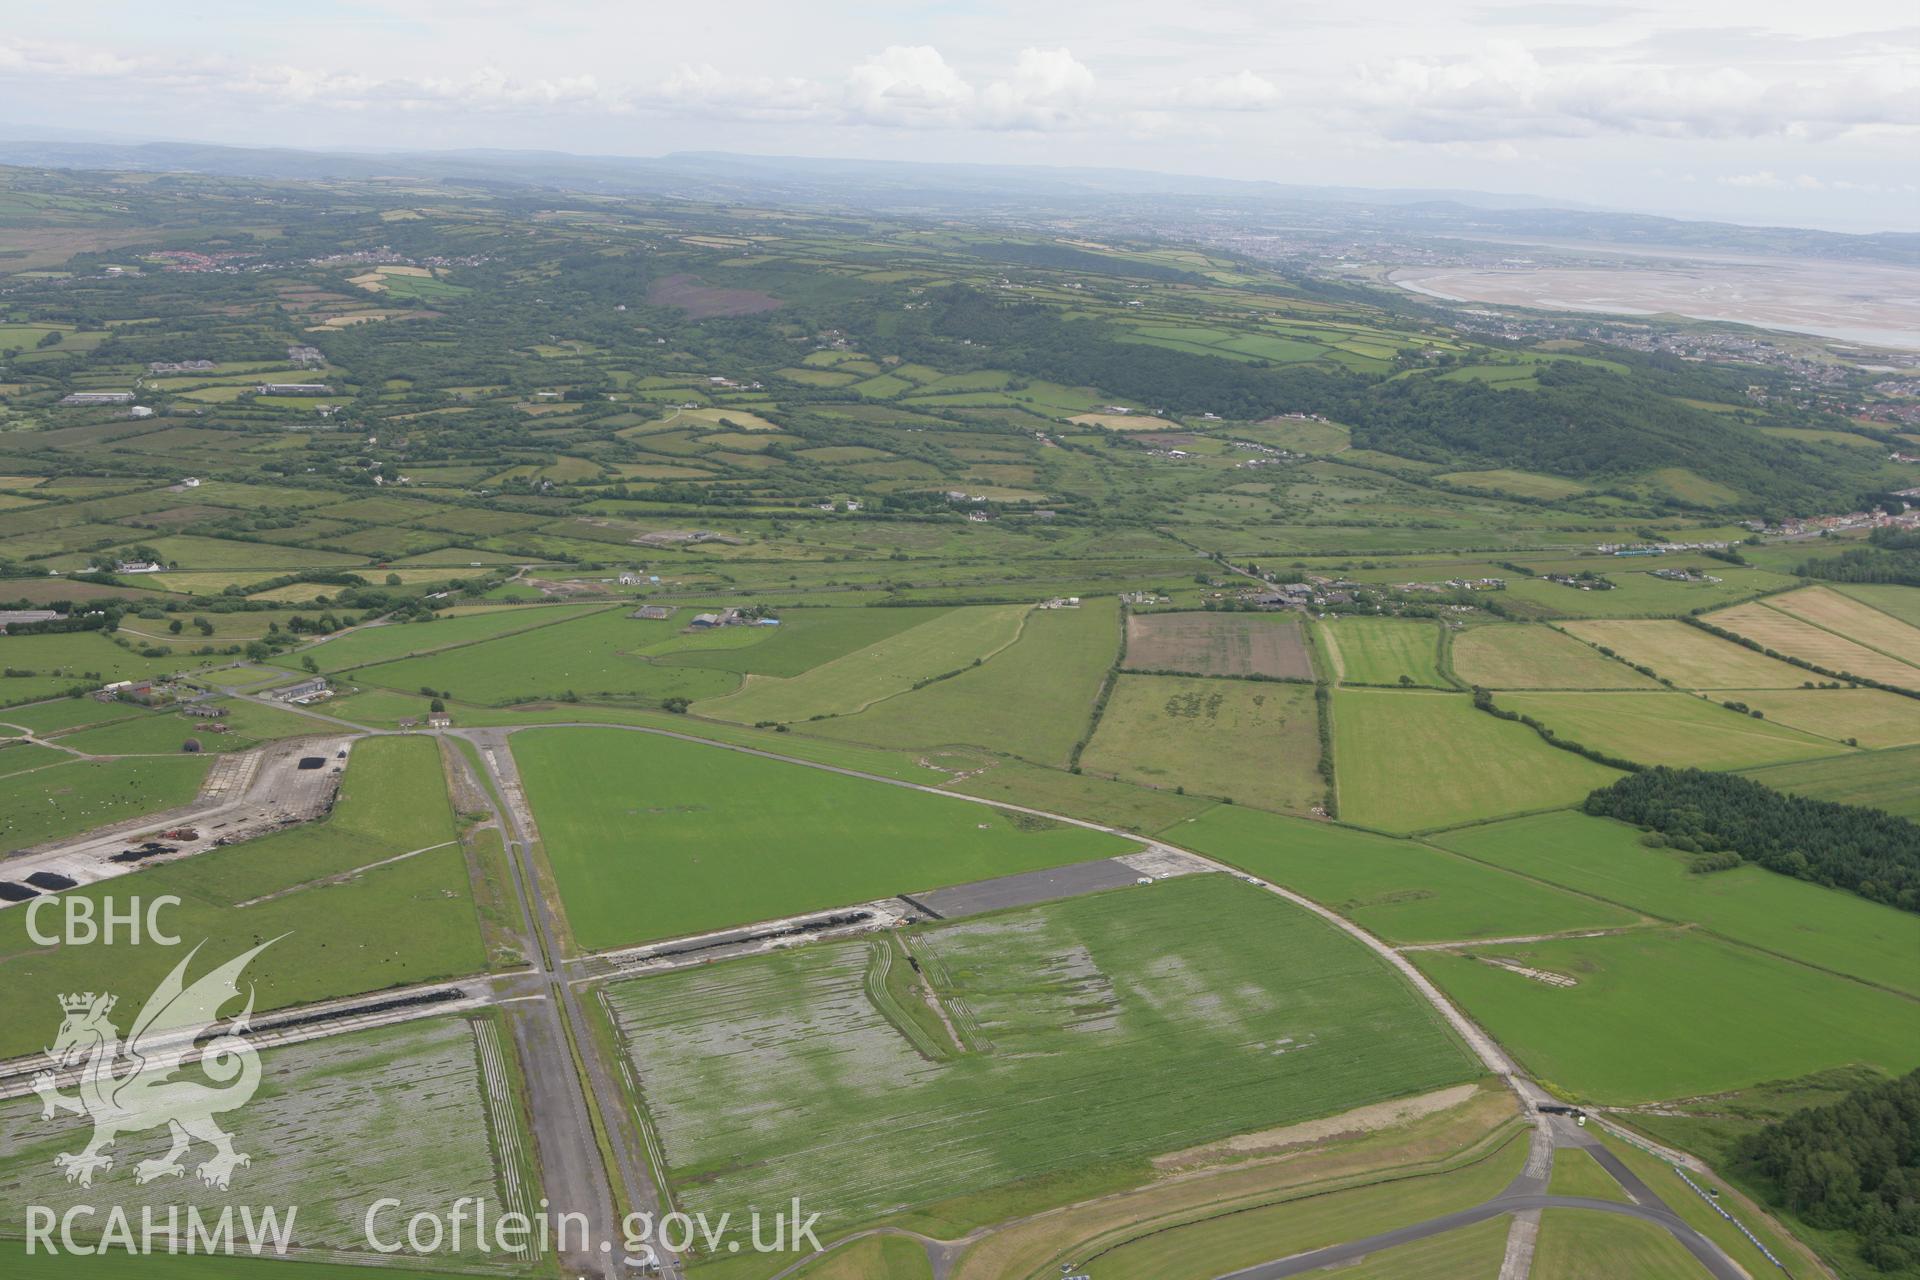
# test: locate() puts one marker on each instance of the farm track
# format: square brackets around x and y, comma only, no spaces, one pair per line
[568,1076]
[1519,1198]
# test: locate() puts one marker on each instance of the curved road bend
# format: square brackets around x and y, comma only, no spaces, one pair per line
[1527,1193]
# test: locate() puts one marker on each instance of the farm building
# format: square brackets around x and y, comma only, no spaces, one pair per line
[314,690]
[98,397]
[652,613]
[292,389]
[15,617]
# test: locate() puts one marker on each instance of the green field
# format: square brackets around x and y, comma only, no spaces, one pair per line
[1226,1241]
[1577,1173]
[854,681]
[1032,699]
[1382,650]
[1690,657]
[1254,742]
[337,1124]
[47,666]
[1518,656]
[1873,717]
[650,837]
[350,926]
[1888,780]
[47,718]
[1638,594]
[369,645]
[1400,890]
[18,757]
[1579,1244]
[67,799]
[804,639]
[592,657]
[1899,602]
[1671,1013]
[1803,921]
[1081,795]
[1667,728]
[1411,761]
[1233,1010]
[247,724]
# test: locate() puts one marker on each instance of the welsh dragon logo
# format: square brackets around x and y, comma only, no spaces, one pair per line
[130,1087]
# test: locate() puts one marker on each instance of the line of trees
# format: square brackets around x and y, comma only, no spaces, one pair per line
[1851,1166]
[1843,846]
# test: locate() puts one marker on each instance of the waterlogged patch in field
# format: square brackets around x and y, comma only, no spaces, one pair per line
[1410,761]
[1670,1013]
[1523,656]
[1227,1008]
[1218,644]
[1257,743]
[1667,728]
[652,837]
[336,1125]
[894,665]
[1400,890]
[1383,650]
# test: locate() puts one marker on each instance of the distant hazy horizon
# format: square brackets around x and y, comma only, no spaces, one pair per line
[1753,113]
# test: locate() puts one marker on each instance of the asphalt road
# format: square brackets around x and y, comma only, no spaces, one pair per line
[563,1123]
[544,1015]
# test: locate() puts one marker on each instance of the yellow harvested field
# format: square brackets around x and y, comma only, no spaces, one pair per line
[1873,717]
[1784,633]
[1689,657]
[1124,421]
[1853,619]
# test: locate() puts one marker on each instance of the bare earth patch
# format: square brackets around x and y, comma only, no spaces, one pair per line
[1348,1124]
[1218,644]
[701,301]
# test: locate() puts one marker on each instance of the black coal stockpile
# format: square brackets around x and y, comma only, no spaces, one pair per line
[51,881]
[11,892]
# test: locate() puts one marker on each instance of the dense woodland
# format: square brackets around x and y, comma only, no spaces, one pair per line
[1871,853]
[1853,1166]
[1890,556]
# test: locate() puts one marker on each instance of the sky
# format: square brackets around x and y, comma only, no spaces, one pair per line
[1758,111]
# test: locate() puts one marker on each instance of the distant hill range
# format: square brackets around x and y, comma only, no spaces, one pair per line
[903,189]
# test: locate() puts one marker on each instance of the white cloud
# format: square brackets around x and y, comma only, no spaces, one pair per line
[1240,91]
[1507,91]
[1049,89]
[708,91]
[907,85]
